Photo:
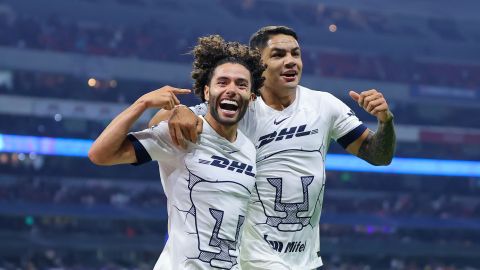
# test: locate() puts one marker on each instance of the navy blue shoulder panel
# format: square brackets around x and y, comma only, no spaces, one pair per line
[351,136]
[140,152]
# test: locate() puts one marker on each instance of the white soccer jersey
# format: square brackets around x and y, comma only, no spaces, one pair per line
[282,227]
[208,187]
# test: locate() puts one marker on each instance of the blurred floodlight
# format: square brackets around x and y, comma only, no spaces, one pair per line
[58,117]
[113,83]
[92,82]
[332,28]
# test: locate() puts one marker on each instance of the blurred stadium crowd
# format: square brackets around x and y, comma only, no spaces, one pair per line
[70,71]
[60,33]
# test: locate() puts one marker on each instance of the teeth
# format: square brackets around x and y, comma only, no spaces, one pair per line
[229,105]
[231,102]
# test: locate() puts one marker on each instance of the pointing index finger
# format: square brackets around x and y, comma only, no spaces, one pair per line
[181,91]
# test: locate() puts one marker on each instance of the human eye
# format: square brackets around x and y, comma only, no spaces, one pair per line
[277,54]
[243,85]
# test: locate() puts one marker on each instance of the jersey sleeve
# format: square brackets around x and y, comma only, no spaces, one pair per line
[248,123]
[200,109]
[154,144]
[346,125]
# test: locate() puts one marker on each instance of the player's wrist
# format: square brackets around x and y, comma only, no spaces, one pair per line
[388,118]
[140,104]
[183,107]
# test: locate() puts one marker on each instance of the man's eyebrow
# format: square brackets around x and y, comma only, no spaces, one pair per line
[229,78]
[276,49]
[241,80]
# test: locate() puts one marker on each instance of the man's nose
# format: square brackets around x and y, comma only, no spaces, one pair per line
[231,89]
[290,61]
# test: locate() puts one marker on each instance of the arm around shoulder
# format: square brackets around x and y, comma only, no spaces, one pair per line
[161,115]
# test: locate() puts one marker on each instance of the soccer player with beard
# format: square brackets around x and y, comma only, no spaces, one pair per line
[208,184]
[291,127]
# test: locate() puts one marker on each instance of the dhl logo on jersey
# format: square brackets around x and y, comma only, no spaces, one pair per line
[230,165]
[285,134]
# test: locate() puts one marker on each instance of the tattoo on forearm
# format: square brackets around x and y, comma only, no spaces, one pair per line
[379,147]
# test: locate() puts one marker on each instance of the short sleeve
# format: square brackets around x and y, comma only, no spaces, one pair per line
[200,109]
[248,123]
[154,144]
[346,125]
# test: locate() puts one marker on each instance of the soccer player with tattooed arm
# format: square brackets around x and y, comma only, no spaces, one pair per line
[292,127]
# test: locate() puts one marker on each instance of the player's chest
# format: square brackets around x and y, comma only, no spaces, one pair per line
[300,128]
[215,167]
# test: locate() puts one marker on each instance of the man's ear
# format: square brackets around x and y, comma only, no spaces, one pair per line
[206,92]
[253,97]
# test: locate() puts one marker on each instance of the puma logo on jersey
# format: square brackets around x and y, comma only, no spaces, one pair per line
[230,165]
[285,134]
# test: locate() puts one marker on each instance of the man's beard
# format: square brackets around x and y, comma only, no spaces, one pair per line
[214,112]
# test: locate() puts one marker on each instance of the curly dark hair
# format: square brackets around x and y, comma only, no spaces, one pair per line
[212,51]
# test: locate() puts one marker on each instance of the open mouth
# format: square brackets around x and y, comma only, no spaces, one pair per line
[229,106]
[289,75]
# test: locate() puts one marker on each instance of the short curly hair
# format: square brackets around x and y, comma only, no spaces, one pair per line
[212,51]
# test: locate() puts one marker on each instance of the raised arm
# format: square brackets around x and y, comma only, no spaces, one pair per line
[377,148]
[112,146]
